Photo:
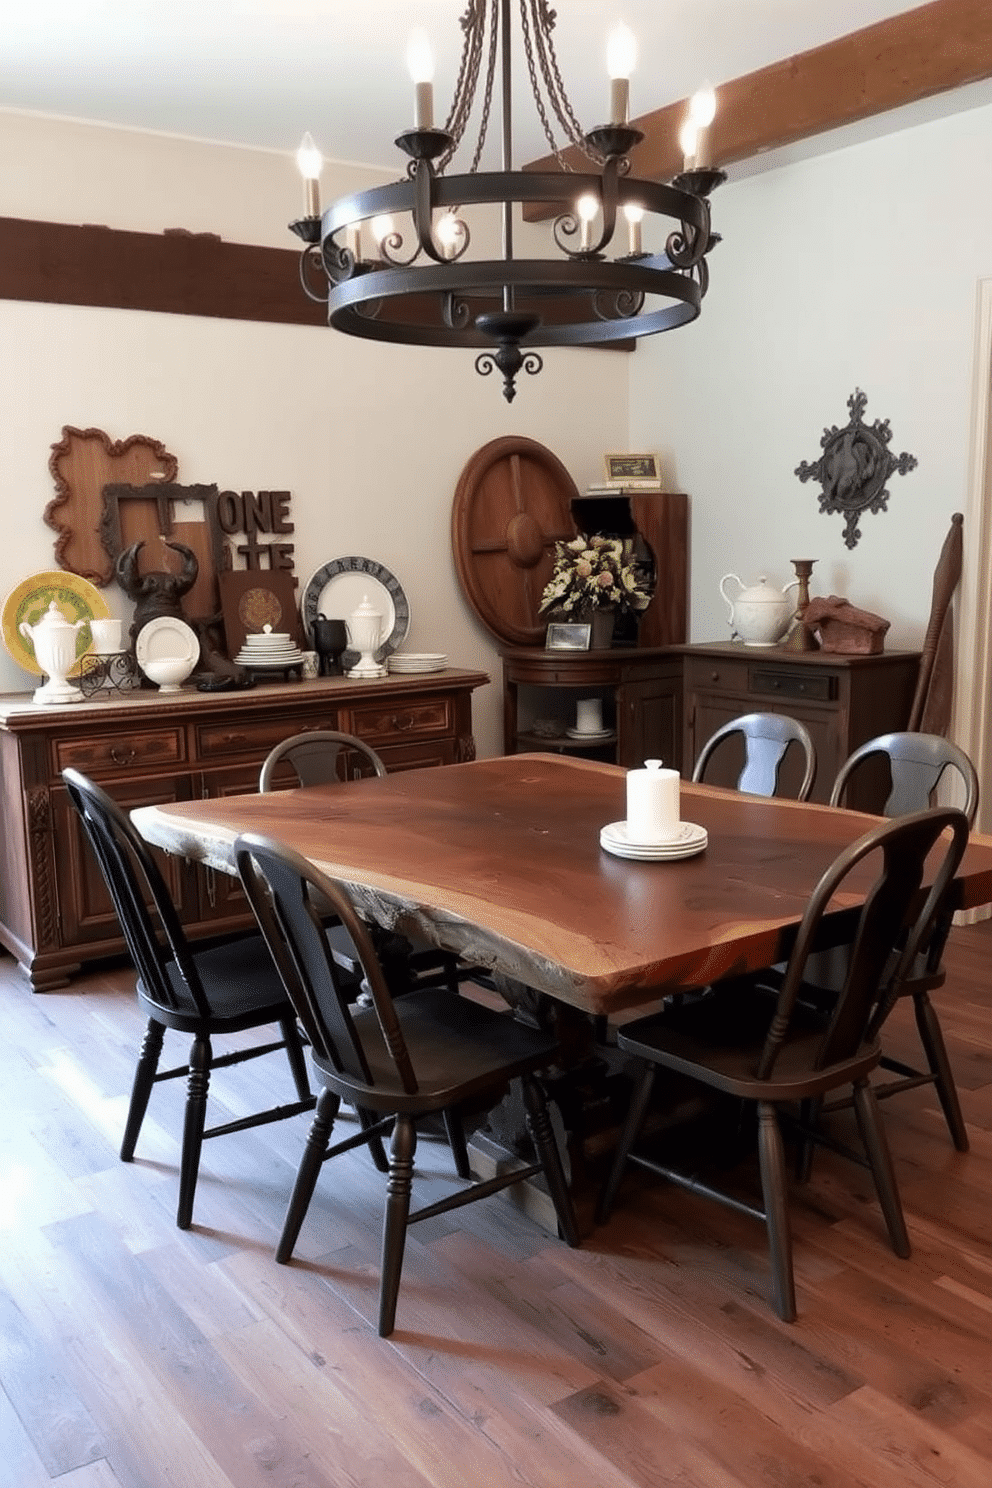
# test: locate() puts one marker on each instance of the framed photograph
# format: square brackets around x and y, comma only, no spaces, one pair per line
[631,467]
[568,637]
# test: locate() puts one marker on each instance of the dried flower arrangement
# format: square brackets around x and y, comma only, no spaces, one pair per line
[592,573]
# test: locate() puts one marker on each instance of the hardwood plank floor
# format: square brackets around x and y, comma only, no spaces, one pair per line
[133,1355]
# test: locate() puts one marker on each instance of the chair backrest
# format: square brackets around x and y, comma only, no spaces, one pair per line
[767,737]
[314,757]
[917,763]
[289,895]
[891,928]
[140,896]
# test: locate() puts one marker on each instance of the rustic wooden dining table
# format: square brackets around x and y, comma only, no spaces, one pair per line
[500,861]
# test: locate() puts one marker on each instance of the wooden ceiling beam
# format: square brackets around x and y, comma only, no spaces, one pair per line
[932,49]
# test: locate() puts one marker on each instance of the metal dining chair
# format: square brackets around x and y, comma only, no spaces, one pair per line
[767,738]
[321,757]
[917,765]
[424,1054]
[203,991]
[770,1052]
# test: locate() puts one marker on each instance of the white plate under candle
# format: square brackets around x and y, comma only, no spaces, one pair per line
[688,840]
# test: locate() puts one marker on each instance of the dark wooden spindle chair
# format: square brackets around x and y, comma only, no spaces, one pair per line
[204,990]
[770,1051]
[424,1054]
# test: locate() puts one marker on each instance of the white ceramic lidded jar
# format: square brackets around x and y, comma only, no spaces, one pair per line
[761,614]
[54,640]
[364,634]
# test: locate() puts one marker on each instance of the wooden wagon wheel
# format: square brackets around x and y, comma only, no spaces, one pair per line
[512,504]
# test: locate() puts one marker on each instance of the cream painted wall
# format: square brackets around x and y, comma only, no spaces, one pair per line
[369,439]
[855,269]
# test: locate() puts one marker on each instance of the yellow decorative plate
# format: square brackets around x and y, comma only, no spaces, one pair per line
[76,598]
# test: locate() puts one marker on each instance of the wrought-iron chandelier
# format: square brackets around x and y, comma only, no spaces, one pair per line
[418,283]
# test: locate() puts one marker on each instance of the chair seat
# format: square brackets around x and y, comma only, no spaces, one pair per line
[456,1046]
[728,1062]
[243,983]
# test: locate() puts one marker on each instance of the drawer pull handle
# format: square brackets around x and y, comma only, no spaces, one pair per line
[403,725]
[121,756]
[714,676]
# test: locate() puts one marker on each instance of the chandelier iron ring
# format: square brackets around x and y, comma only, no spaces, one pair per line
[383,304]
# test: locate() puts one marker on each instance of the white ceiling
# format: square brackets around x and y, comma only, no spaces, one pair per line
[260,72]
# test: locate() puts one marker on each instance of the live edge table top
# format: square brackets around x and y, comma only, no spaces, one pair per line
[500,860]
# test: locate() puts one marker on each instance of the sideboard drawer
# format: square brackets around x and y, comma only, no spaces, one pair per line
[253,737]
[400,720]
[821,688]
[108,754]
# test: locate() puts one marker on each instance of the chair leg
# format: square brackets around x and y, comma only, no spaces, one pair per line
[455,1129]
[296,1057]
[141,1089]
[401,1154]
[771,1155]
[809,1115]
[543,1136]
[198,1085]
[877,1148]
[378,1151]
[932,1040]
[317,1143]
[635,1120]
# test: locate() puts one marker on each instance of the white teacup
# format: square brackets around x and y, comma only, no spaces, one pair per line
[106,636]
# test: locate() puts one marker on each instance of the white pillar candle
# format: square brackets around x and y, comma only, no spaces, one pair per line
[652,803]
[589,716]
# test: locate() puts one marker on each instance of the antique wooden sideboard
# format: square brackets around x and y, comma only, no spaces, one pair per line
[842,700]
[146,748]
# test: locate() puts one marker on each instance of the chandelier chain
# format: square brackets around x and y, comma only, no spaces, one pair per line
[539,39]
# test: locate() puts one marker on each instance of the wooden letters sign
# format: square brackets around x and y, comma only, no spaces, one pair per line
[254,514]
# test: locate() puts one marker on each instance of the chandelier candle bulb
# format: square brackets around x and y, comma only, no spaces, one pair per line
[621,55]
[688,143]
[310,162]
[652,803]
[633,214]
[702,112]
[420,61]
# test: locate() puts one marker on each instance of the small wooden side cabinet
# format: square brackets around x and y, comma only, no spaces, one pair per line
[145,748]
[640,690]
[842,700]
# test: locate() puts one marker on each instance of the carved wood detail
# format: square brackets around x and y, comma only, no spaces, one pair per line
[39,817]
[81,464]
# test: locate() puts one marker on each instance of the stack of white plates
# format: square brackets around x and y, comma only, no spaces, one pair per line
[688,841]
[269,648]
[406,662]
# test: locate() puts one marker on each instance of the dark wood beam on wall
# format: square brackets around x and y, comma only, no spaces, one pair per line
[177,272]
[932,49]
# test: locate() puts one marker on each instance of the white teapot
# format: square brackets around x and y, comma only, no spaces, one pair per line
[54,640]
[761,614]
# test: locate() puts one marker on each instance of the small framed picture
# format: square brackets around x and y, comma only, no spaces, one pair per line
[568,637]
[631,467]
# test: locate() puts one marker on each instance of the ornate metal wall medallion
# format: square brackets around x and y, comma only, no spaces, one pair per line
[854,467]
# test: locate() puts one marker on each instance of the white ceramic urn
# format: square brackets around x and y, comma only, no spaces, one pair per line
[760,614]
[365,635]
[54,640]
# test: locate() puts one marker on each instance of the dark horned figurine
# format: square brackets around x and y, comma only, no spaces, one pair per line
[155,594]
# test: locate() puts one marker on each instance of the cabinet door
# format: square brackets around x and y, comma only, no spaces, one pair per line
[649,720]
[87,917]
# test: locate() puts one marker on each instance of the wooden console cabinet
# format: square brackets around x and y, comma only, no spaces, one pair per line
[842,700]
[145,748]
[640,690]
